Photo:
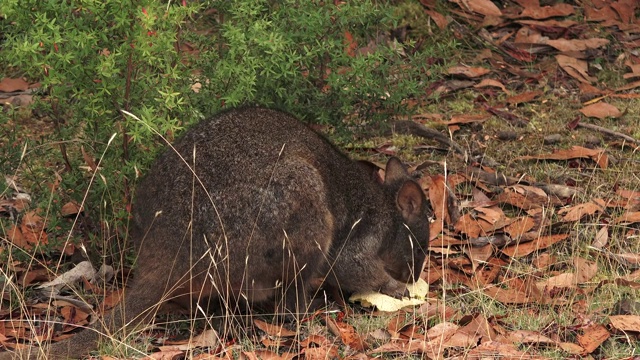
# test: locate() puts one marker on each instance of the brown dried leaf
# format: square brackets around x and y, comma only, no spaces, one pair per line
[508,295]
[347,334]
[483,7]
[627,218]
[626,9]
[166,353]
[320,353]
[273,330]
[468,71]
[478,255]
[32,221]
[585,269]
[602,238]
[32,227]
[567,45]
[597,155]
[519,227]
[544,260]
[528,337]
[468,119]
[593,13]
[492,215]
[630,260]
[525,97]
[542,242]
[592,337]
[480,326]
[524,197]
[88,159]
[545,12]
[500,350]
[411,347]
[74,315]
[625,322]
[11,85]
[563,24]
[577,212]
[14,234]
[262,354]
[469,226]
[71,208]
[440,20]
[442,201]
[491,83]
[601,110]
[635,70]
[578,69]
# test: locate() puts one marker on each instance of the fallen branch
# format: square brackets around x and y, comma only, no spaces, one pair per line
[409,127]
[609,132]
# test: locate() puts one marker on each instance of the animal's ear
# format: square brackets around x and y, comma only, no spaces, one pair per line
[372,169]
[395,171]
[409,200]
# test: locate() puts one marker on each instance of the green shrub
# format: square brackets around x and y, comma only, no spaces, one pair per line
[294,55]
[96,58]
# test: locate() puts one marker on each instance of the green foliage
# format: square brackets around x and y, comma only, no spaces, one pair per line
[97,58]
[296,55]
[93,59]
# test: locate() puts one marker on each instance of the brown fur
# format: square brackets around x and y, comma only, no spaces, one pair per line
[266,207]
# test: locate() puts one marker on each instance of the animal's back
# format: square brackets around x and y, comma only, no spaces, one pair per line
[251,205]
[253,202]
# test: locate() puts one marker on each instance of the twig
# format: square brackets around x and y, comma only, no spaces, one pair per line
[409,127]
[609,132]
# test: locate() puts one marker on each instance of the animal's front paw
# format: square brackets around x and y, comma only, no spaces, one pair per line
[395,289]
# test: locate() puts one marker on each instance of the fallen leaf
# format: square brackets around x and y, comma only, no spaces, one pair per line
[567,45]
[592,337]
[508,295]
[578,69]
[14,234]
[544,12]
[627,218]
[577,212]
[273,330]
[540,243]
[625,322]
[440,20]
[601,110]
[483,7]
[597,155]
[207,338]
[519,226]
[347,334]
[442,200]
[468,119]
[630,260]
[491,83]
[468,71]
[71,208]
[602,238]
[524,97]
[528,337]
[11,85]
